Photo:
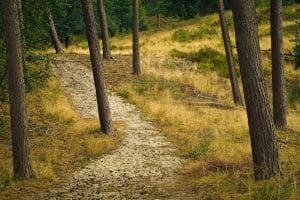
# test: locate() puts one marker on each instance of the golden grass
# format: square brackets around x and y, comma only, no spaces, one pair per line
[214,139]
[61,142]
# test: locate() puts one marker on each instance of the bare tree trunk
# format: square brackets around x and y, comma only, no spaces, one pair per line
[237,97]
[136,38]
[104,30]
[19,122]
[261,126]
[102,99]
[158,14]
[278,78]
[54,37]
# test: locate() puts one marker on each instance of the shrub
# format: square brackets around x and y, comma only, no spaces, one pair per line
[294,96]
[208,59]
[182,35]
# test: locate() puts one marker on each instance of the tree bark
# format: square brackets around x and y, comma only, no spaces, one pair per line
[135,38]
[278,78]
[104,30]
[19,122]
[54,37]
[94,47]
[237,97]
[261,126]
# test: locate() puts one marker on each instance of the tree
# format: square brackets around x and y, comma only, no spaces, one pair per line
[54,37]
[261,126]
[102,99]
[278,78]
[19,123]
[104,30]
[229,55]
[135,38]
[158,13]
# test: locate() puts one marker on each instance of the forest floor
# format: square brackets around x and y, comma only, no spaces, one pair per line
[143,167]
[183,136]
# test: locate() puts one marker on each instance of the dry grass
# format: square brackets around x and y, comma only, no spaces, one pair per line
[61,142]
[194,109]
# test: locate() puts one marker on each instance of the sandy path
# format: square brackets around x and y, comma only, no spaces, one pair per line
[143,167]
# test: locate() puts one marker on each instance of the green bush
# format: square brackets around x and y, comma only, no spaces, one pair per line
[294,96]
[182,35]
[208,59]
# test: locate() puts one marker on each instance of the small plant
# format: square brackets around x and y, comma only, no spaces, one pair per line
[182,35]
[201,150]
[5,180]
[124,93]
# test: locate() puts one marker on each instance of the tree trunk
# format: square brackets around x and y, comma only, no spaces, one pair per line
[229,55]
[104,30]
[19,123]
[158,19]
[54,37]
[261,126]
[278,78]
[158,14]
[94,47]
[67,41]
[135,38]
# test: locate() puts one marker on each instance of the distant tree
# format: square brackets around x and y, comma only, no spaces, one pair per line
[135,38]
[19,123]
[94,47]
[54,37]
[237,97]
[278,78]
[158,13]
[262,132]
[104,29]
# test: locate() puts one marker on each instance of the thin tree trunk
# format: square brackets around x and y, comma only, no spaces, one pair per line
[158,14]
[94,47]
[19,123]
[67,41]
[278,78]
[237,97]
[261,126]
[104,30]
[54,37]
[135,38]
[158,19]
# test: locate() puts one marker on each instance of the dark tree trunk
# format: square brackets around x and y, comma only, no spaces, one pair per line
[104,30]
[102,99]
[136,38]
[67,41]
[261,126]
[54,37]
[278,78]
[19,122]
[237,97]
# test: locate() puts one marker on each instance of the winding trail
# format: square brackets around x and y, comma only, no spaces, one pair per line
[143,167]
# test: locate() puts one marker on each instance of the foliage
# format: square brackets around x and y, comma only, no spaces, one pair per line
[184,35]
[294,96]
[208,59]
